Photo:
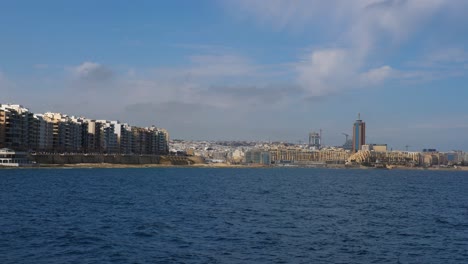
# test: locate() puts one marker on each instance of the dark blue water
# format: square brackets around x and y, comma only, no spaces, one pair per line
[233,216]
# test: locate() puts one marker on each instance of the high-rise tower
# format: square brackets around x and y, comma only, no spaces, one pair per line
[315,139]
[359,134]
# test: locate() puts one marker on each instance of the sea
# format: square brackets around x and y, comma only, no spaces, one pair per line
[203,215]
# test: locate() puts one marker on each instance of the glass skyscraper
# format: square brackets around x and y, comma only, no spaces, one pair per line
[359,134]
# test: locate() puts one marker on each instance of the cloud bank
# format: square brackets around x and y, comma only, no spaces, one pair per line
[363,28]
[91,71]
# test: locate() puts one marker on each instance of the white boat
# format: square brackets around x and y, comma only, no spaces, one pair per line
[11,158]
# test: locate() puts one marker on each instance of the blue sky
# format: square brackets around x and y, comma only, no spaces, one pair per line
[246,69]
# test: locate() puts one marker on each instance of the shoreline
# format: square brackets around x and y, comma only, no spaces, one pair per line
[213,165]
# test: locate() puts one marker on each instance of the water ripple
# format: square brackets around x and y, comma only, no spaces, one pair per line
[233,216]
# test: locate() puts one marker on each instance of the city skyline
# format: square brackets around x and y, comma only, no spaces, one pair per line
[37,130]
[240,70]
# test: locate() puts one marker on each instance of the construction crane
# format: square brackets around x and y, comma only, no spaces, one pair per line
[346,135]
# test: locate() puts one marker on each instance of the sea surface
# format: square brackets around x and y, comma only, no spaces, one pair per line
[185,215]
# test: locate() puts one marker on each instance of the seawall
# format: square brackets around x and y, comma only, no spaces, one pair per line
[114,159]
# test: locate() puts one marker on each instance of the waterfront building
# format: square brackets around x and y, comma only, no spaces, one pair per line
[374,147]
[5,119]
[463,156]
[139,140]
[236,156]
[89,135]
[44,133]
[99,137]
[106,135]
[389,157]
[110,137]
[454,157]
[67,132]
[64,132]
[152,145]
[126,139]
[163,141]
[16,127]
[315,140]
[359,134]
[151,141]
[282,155]
[55,119]
[366,147]
[117,135]
[22,130]
[451,157]
[76,127]
[258,157]
[431,159]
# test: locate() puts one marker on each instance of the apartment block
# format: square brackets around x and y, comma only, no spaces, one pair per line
[21,129]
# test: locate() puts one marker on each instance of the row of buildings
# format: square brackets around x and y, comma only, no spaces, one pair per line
[23,130]
[354,151]
[282,154]
[370,155]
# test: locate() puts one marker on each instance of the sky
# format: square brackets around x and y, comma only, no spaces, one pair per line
[246,69]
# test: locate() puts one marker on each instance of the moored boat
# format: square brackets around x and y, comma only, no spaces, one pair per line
[11,158]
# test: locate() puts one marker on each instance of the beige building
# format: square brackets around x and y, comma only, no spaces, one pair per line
[22,130]
[16,127]
[299,155]
[375,147]
[3,123]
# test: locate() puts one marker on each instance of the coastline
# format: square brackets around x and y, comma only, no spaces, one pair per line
[129,166]
[213,165]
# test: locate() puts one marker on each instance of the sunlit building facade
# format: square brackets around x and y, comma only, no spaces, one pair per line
[22,130]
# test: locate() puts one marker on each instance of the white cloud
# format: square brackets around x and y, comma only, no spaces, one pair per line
[361,28]
[442,58]
[214,80]
[208,78]
[326,71]
[377,75]
[91,71]
[210,67]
